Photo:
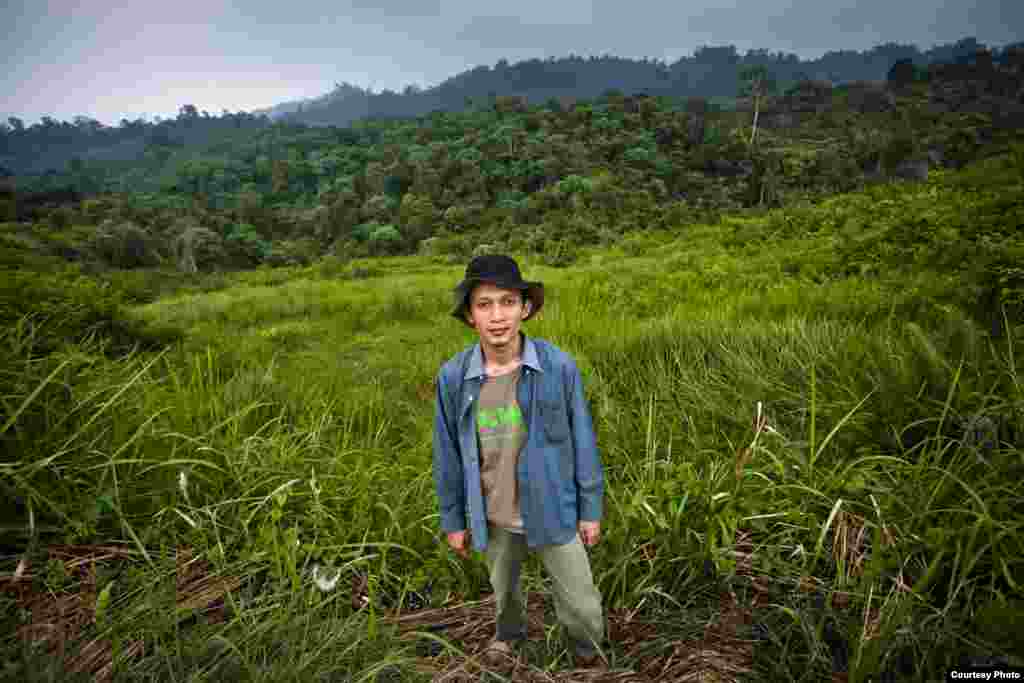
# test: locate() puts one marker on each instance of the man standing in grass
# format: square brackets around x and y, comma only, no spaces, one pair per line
[515,453]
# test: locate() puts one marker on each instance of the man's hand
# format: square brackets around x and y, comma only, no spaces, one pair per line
[459,542]
[590,532]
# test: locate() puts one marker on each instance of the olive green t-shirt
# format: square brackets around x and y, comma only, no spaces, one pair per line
[501,434]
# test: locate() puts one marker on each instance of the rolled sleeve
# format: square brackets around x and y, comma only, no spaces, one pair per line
[448,474]
[588,471]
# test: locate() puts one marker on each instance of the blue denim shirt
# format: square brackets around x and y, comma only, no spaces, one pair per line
[560,477]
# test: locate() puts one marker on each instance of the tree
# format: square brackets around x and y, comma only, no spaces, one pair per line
[196,246]
[756,82]
[901,73]
[279,181]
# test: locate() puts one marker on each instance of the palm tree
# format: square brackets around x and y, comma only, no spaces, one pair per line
[756,82]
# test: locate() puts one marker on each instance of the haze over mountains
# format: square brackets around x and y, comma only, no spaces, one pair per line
[712,72]
[709,72]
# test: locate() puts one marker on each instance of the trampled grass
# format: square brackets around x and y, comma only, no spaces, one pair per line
[868,521]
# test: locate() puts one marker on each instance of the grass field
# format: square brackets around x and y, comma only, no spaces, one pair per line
[257,499]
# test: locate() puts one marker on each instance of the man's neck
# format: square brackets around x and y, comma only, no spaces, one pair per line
[503,358]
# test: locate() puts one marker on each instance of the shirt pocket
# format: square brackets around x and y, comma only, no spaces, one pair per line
[556,420]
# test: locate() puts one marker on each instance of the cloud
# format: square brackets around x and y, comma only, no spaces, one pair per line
[66,57]
[392,9]
[512,34]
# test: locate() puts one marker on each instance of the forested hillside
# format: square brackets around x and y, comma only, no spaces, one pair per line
[711,72]
[541,180]
[555,179]
[54,147]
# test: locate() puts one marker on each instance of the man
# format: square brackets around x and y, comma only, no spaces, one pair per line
[515,452]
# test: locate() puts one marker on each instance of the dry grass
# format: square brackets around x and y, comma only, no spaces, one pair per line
[58,619]
[718,655]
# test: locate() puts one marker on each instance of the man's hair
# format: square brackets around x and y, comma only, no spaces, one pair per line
[523,294]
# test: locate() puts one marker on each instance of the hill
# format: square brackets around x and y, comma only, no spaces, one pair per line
[711,72]
[50,146]
[557,178]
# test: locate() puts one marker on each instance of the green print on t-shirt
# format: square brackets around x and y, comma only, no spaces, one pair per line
[490,420]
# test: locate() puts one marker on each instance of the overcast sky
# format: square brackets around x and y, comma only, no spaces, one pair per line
[142,58]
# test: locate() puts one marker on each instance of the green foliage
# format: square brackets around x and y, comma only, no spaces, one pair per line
[575,184]
[246,244]
[712,135]
[1017,158]
[480,172]
[640,155]
[68,307]
[385,233]
[756,81]
[8,210]
[363,231]
[899,149]
[126,245]
[847,319]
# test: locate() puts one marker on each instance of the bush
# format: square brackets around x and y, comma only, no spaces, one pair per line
[95,209]
[331,266]
[429,247]
[456,247]
[70,307]
[244,247]
[901,148]
[299,252]
[558,253]
[197,248]
[484,249]
[8,210]
[125,245]
[385,240]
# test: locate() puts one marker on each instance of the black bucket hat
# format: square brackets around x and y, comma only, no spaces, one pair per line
[501,271]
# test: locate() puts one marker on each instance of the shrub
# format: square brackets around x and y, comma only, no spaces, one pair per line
[8,210]
[243,246]
[575,184]
[484,249]
[299,252]
[378,207]
[198,248]
[385,240]
[558,253]
[125,245]
[68,307]
[429,246]
[901,148]
[95,209]
[362,232]
[456,247]
[61,217]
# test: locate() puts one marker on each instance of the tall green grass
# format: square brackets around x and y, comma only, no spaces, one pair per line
[291,429]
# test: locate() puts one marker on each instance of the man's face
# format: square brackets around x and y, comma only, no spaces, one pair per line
[496,314]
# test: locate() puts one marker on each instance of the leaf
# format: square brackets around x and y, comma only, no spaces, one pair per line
[103,600]
[104,504]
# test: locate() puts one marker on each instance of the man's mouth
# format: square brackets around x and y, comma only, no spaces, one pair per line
[501,331]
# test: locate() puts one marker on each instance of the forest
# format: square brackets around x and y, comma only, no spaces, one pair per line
[51,146]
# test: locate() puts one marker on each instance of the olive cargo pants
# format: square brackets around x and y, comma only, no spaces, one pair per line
[577,600]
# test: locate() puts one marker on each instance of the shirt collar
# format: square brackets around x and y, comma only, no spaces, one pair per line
[529,357]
